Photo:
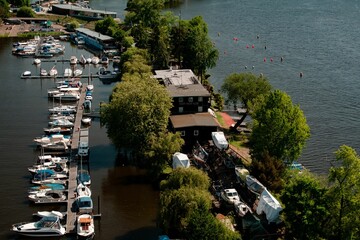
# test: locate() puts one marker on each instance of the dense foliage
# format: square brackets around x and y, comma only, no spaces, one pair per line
[345,194]
[137,110]
[279,128]
[306,207]
[25,12]
[4,9]
[244,89]
[185,204]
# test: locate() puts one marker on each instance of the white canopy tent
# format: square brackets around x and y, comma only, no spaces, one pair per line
[269,205]
[180,160]
[220,140]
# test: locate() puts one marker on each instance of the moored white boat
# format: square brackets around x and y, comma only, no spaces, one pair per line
[37,61]
[95,60]
[43,72]
[85,226]
[86,120]
[82,60]
[61,130]
[26,74]
[83,190]
[53,72]
[50,214]
[49,226]
[84,204]
[48,196]
[73,60]
[90,87]
[68,72]
[61,123]
[77,72]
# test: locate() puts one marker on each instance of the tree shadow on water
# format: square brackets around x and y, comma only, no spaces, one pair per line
[145,233]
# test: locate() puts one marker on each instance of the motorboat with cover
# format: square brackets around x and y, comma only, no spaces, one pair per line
[50,214]
[54,138]
[48,196]
[83,176]
[83,190]
[84,204]
[85,226]
[57,167]
[49,226]
[61,123]
[60,130]
[48,186]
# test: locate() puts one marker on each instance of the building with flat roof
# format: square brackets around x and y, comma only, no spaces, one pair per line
[188,94]
[81,12]
[95,39]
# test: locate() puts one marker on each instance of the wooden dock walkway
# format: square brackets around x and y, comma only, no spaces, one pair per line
[57,77]
[73,168]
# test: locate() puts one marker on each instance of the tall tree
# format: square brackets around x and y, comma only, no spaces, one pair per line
[4,9]
[198,51]
[186,177]
[244,88]
[161,147]
[137,110]
[279,128]
[345,192]
[306,207]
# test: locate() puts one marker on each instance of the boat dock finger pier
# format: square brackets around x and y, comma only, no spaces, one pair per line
[73,167]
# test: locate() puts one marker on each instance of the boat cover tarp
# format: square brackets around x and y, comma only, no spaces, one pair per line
[220,140]
[269,205]
[254,185]
[241,172]
[180,160]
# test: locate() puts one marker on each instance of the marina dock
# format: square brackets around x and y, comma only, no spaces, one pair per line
[72,182]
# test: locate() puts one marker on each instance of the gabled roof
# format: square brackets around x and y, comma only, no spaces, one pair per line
[193,120]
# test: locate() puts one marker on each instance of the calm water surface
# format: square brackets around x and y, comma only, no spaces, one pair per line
[128,204]
[318,38]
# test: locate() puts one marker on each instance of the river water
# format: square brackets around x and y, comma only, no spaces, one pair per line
[128,204]
[318,38]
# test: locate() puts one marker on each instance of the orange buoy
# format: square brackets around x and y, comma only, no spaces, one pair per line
[252,46]
[264,59]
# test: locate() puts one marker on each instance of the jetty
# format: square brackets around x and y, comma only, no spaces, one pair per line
[73,167]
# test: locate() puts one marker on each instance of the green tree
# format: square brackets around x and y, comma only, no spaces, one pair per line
[107,26]
[162,147]
[203,225]
[345,192]
[279,128]
[25,12]
[306,207]
[196,48]
[177,206]
[187,177]
[130,55]
[137,110]
[244,88]
[20,3]
[269,171]
[142,17]
[4,9]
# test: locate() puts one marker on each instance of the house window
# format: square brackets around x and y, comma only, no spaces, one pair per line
[181,99]
[190,99]
[181,109]
[182,133]
[200,99]
[196,132]
[200,108]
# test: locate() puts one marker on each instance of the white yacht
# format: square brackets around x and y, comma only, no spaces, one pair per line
[49,226]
